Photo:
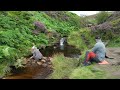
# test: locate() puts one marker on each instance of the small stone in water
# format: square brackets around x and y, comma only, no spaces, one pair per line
[39,63]
[49,63]
[50,66]
[43,61]
[44,65]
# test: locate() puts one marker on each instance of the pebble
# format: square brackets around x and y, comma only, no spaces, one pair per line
[44,65]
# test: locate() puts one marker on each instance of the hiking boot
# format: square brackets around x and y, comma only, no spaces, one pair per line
[86,63]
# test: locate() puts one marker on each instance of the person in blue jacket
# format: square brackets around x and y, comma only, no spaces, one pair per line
[37,55]
[97,54]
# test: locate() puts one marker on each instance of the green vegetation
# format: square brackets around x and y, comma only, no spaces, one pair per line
[115,22]
[66,68]
[87,73]
[114,43]
[62,66]
[18,33]
[102,17]
[109,27]
[82,39]
[17,27]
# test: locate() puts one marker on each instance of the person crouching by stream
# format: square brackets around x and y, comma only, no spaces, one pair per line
[37,55]
[97,54]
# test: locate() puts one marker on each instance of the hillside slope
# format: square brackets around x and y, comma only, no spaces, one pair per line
[20,29]
[110,29]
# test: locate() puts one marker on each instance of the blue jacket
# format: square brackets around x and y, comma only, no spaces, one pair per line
[37,54]
[100,50]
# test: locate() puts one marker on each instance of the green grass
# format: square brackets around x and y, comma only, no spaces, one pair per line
[67,68]
[88,72]
[115,22]
[80,37]
[2,66]
[62,66]
[4,69]
[75,38]
[114,43]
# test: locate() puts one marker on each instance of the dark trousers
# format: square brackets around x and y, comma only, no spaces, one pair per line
[91,60]
[95,59]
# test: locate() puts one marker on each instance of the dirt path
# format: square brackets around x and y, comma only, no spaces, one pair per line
[113,69]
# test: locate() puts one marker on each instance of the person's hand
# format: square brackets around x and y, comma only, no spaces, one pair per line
[31,57]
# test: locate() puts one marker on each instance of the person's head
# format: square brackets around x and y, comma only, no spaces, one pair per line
[33,48]
[97,38]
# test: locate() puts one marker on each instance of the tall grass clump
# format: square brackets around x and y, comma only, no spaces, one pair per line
[62,66]
[88,72]
[82,39]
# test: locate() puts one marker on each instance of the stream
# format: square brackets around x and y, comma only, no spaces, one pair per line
[35,71]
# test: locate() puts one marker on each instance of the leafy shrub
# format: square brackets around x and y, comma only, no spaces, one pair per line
[102,16]
[40,26]
[6,70]
[19,62]
[82,39]
[8,54]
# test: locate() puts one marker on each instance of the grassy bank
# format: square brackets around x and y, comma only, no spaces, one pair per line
[84,39]
[66,68]
[88,72]
[62,66]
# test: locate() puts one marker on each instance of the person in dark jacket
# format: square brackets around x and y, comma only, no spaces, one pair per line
[97,54]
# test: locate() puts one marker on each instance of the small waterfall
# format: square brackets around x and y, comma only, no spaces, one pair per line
[62,43]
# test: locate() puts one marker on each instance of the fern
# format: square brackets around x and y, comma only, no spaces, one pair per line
[5,52]
[19,63]
[6,70]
